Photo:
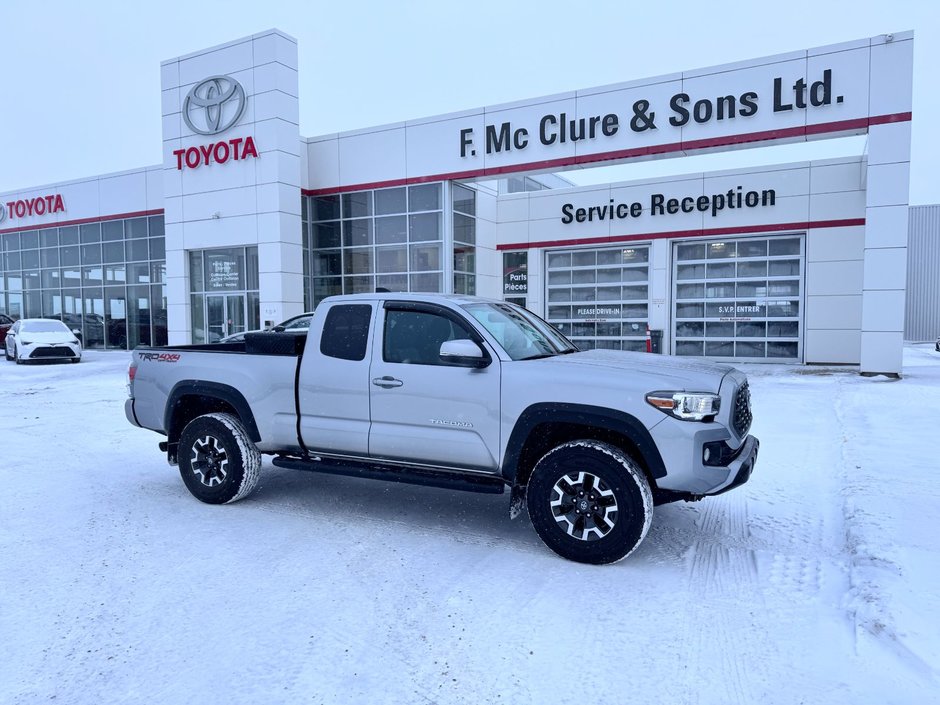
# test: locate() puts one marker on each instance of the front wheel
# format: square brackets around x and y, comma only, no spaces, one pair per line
[589,502]
[217,459]
[16,355]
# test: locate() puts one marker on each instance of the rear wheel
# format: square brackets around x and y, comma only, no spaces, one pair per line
[589,502]
[217,459]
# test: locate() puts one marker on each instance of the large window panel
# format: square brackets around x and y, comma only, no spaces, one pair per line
[135,228]
[389,201]
[327,235]
[425,227]
[425,197]
[391,259]
[357,205]
[357,233]
[138,316]
[328,263]
[464,229]
[425,257]
[464,200]
[326,208]
[391,230]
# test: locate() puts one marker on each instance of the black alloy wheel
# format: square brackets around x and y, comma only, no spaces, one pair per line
[589,502]
[218,461]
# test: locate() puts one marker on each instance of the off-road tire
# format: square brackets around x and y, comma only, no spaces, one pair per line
[218,462]
[613,479]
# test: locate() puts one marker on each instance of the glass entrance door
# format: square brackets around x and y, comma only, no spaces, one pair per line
[225,315]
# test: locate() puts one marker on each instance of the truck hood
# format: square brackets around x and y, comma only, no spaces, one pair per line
[667,371]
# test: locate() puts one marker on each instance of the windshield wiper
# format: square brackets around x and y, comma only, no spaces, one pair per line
[539,356]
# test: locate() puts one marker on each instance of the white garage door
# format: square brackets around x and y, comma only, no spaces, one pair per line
[739,299]
[600,297]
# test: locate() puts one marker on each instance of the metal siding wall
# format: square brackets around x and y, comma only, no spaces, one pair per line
[922,314]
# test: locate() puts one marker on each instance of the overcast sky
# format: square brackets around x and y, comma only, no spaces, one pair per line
[81,80]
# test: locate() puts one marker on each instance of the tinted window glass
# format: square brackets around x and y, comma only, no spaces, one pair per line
[346,332]
[415,337]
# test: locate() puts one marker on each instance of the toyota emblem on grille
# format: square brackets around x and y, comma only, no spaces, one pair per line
[217,103]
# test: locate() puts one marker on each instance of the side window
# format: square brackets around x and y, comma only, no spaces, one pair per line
[415,337]
[346,332]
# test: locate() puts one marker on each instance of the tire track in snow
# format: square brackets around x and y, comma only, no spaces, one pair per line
[722,567]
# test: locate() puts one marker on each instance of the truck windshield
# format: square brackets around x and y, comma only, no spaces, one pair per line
[523,335]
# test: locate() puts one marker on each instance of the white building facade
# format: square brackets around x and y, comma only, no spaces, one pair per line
[247,222]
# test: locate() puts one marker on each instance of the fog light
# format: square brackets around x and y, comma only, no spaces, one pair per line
[716,454]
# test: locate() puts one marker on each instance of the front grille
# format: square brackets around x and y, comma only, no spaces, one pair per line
[52,352]
[741,416]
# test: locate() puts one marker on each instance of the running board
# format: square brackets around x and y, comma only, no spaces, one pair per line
[465,482]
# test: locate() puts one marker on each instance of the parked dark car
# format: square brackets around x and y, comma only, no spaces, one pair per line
[5,324]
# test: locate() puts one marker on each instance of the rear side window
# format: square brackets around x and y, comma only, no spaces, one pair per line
[346,331]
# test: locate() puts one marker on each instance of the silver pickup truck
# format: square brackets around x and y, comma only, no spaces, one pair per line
[456,392]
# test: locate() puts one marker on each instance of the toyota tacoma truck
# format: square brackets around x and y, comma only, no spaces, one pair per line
[455,392]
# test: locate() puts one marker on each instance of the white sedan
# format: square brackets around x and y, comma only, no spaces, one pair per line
[42,339]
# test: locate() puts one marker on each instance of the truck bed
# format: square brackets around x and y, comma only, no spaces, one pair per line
[263,369]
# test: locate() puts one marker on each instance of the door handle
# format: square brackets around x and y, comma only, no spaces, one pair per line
[386,382]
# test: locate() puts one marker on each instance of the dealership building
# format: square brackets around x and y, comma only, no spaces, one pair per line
[245,222]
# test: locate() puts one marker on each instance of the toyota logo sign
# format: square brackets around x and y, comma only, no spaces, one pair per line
[216,103]
[3,213]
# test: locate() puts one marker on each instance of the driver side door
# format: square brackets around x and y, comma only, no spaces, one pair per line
[423,409]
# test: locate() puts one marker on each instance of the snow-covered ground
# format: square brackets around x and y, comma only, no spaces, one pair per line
[817,582]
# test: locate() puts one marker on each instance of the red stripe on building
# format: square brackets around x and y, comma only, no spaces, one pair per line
[857,124]
[83,221]
[699,232]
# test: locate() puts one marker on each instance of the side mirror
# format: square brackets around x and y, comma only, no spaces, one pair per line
[277,329]
[76,332]
[463,353]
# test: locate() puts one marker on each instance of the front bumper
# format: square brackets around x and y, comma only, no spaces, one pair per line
[740,469]
[49,351]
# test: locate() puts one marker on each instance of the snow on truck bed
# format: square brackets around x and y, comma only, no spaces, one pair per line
[816,582]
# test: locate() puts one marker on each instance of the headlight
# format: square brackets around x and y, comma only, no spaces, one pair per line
[688,406]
